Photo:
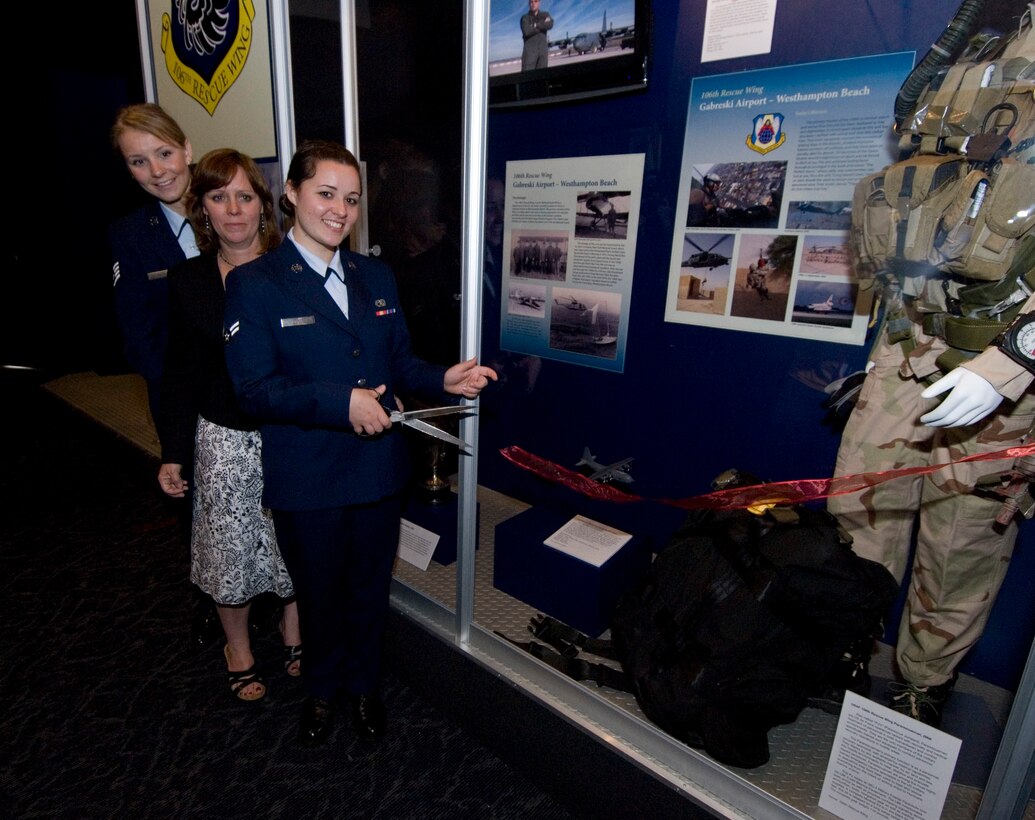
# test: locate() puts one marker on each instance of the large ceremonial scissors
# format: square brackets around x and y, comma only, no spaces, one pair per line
[415,419]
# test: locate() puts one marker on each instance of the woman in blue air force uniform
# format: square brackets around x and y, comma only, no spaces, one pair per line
[316,348]
[153,238]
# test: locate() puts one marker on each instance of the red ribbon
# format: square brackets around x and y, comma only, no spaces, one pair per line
[779,492]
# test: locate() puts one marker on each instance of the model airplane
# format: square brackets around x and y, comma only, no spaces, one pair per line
[706,258]
[605,473]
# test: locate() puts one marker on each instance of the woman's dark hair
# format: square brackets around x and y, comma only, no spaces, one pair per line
[303,165]
[215,170]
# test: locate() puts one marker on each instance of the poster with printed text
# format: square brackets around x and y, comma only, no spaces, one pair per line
[213,73]
[770,163]
[569,244]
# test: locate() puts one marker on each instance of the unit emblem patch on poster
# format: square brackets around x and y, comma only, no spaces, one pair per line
[206,44]
[767,134]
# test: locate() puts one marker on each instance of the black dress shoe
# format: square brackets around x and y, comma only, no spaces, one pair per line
[368,716]
[314,726]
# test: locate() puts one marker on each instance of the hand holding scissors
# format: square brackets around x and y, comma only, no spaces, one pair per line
[387,416]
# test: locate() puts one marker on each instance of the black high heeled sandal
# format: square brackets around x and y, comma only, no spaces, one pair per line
[239,681]
[293,655]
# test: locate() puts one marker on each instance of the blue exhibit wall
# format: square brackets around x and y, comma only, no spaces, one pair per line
[693,401]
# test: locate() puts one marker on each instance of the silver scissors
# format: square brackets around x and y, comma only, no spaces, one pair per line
[415,419]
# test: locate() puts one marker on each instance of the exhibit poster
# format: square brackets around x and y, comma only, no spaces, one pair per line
[770,162]
[568,250]
[213,73]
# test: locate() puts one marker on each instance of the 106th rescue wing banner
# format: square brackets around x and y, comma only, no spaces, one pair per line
[211,65]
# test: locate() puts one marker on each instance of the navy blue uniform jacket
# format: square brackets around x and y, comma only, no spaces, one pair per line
[294,359]
[143,248]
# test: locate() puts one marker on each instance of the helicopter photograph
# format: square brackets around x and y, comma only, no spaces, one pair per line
[593,330]
[717,254]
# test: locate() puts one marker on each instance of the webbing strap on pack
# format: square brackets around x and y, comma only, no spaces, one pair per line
[575,668]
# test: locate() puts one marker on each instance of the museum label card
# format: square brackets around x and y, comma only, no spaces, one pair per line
[416,544]
[737,28]
[886,765]
[588,540]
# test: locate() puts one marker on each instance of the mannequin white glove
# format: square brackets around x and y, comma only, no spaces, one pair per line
[972,398]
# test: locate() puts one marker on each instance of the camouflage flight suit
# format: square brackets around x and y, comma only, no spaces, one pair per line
[962,555]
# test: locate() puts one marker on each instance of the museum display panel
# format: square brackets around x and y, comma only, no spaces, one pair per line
[649,351]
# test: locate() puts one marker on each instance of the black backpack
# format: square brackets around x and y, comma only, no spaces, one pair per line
[740,619]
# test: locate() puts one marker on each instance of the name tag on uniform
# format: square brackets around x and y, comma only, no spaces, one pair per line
[298,321]
[157,274]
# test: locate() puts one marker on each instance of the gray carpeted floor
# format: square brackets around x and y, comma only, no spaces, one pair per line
[109,712]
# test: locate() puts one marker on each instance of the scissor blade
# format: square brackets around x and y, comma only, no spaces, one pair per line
[432,430]
[430,412]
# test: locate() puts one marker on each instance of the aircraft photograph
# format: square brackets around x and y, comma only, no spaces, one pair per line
[602,214]
[710,258]
[605,473]
[582,30]
[825,255]
[571,303]
[835,215]
[828,302]
[527,302]
[586,322]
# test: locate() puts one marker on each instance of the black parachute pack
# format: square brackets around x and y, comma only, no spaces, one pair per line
[740,620]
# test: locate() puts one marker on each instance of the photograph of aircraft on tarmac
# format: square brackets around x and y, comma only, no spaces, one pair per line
[828,302]
[582,30]
[602,215]
[807,214]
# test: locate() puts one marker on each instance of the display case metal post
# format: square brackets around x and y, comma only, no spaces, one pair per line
[476,38]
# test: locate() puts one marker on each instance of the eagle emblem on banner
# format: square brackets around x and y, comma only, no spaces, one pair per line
[767,134]
[206,44]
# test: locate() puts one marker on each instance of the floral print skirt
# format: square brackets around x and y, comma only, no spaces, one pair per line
[234,554]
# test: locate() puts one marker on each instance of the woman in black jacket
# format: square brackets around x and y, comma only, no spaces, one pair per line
[234,553]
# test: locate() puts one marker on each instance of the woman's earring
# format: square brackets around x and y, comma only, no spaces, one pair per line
[207,225]
[262,223]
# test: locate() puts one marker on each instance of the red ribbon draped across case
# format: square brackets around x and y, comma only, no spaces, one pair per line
[778,492]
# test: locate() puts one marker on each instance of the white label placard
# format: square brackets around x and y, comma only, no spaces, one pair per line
[886,765]
[416,544]
[588,540]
